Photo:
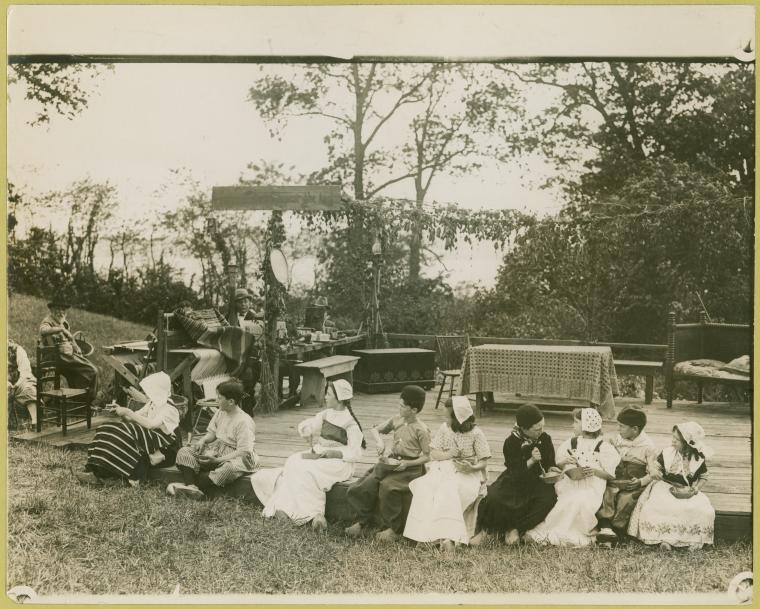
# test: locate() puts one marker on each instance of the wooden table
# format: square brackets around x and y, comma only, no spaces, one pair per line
[316,373]
[389,370]
[298,350]
[578,372]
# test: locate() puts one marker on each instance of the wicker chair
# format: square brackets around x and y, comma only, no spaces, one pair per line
[451,351]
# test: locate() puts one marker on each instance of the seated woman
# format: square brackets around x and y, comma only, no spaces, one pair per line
[298,490]
[225,451]
[518,500]
[441,498]
[674,512]
[125,449]
[588,462]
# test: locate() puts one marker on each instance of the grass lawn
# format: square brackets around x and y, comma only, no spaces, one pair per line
[25,313]
[65,538]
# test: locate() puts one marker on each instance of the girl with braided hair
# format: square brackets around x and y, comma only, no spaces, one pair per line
[298,490]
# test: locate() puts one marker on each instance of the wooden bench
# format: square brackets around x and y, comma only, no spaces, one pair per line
[316,373]
[704,340]
[338,509]
[730,525]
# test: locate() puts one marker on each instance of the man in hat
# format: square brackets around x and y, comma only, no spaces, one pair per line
[78,371]
[637,468]
[244,314]
[386,485]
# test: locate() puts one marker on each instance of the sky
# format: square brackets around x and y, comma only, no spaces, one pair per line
[145,120]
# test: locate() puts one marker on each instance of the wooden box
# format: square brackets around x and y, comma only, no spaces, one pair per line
[389,370]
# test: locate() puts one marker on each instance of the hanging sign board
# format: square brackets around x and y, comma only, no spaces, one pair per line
[304,198]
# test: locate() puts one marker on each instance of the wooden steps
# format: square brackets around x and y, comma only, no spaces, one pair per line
[728,427]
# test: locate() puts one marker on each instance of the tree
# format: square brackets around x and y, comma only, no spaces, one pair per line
[83,209]
[607,116]
[444,135]
[610,271]
[359,99]
[56,88]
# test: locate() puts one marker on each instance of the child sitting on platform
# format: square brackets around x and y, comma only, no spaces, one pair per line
[225,451]
[387,483]
[637,468]
[588,462]
[674,512]
[444,500]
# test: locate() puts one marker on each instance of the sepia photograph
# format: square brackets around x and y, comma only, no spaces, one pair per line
[380,304]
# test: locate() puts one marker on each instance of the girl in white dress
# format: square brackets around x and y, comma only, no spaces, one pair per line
[444,499]
[674,512]
[298,490]
[588,462]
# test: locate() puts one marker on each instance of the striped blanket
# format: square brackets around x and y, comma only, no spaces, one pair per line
[208,328]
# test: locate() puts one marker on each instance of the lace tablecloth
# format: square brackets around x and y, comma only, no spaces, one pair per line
[586,373]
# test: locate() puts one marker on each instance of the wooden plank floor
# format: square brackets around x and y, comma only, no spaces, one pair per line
[728,427]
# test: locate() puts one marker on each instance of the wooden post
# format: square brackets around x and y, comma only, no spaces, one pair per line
[276,198]
[670,355]
[232,278]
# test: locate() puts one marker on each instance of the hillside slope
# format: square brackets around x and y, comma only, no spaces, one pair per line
[26,312]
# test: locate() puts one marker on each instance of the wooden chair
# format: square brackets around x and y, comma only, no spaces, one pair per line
[451,351]
[711,340]
[50,394]
[13,418]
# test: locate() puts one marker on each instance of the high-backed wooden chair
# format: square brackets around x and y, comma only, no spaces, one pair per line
[712,340]
[65,402]
[451,351]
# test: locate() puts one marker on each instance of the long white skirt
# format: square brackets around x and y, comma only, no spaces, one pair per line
[573,518]
[443,504]
[659,517]
[299,488]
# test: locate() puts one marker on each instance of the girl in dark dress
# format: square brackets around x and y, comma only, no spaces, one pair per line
[519,500]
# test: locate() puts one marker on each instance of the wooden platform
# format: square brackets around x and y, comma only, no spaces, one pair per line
[728,427]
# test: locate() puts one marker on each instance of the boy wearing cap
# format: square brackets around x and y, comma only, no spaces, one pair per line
[79,372]
[387,483]
[244,314]
[637,468]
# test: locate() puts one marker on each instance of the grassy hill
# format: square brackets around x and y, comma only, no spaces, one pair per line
[26,312]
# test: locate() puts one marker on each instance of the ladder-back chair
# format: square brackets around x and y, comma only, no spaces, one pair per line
[451,352]
[65,402]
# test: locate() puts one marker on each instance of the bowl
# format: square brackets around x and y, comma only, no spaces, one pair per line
[551,477]
[680,492]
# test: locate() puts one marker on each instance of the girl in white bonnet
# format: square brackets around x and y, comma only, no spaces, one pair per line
[444,500]
[588,462]
[298,490]
[674,512]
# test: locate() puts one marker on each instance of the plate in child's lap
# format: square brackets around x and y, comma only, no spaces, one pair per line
[551,477]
